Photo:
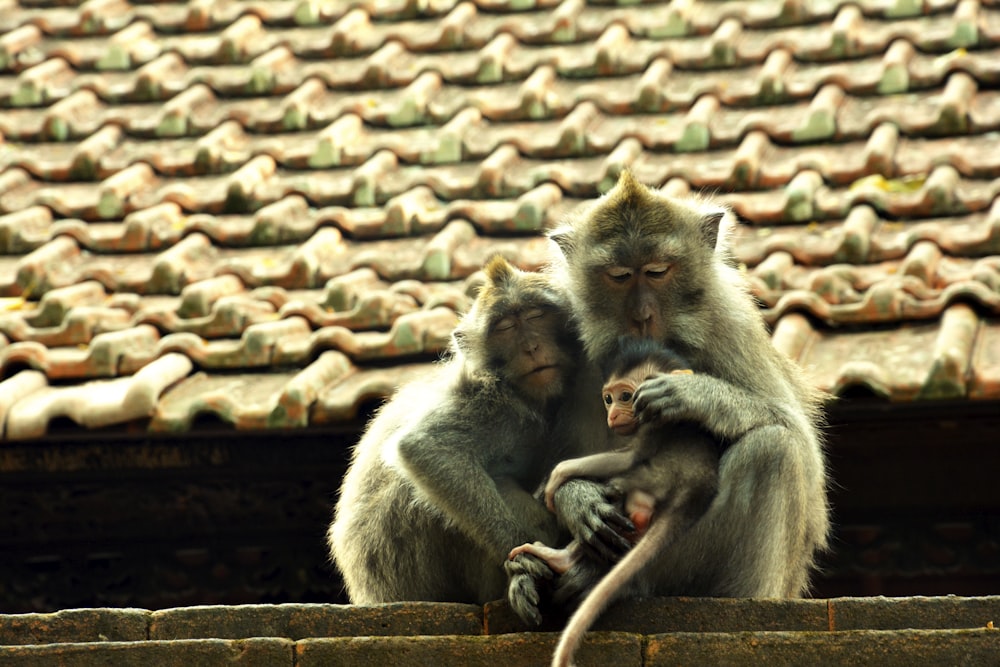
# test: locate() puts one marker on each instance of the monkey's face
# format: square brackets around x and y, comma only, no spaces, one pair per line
[532,350]
[637,264]
[618,396]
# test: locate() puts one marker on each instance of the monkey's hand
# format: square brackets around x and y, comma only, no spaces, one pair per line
[727,411]
[524,571]
[593,519]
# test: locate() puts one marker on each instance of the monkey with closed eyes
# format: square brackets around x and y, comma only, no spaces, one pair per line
[636,262]
[439,489]
[667,475]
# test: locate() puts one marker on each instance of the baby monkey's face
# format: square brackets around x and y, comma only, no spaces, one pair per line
[619,395]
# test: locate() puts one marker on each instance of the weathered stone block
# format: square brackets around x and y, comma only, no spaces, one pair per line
[75,625]
[185,653]
[882,613]
[599,649]
[499,619]
[657,615]
[885,648]
[296,621]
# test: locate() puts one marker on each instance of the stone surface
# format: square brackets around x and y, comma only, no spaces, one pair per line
[187,653]
[75,625]
[901,648]
[882,613]
[297,621]
[601,649]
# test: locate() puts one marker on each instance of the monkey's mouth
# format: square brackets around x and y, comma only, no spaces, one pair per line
[625,429]
[543,373]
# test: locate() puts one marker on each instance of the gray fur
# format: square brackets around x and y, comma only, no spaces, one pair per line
[439,487]
[760,535]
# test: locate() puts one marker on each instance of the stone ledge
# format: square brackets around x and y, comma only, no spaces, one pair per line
[654,616]
[75,625]
[260,652]
[885,648]
[298,621]
[529,648]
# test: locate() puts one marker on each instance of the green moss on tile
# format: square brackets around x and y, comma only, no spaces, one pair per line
[116,58]
[674,26]
[56,129]
[695,138]
[904,8]
[295,119]
[437,265]
[110,206]
[820,126]
[172,125]
[449,149]
[490,72]
[306,13]
[26,95]
[966,35]
[895,80]
[261,81]
[408,115]
[405,338]
[364,192]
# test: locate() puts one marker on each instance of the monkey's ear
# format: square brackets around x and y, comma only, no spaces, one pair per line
[563,238]
[710,227]
[498,270]
[459,338]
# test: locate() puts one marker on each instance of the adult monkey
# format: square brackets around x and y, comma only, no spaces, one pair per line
[636,262]
[439,488]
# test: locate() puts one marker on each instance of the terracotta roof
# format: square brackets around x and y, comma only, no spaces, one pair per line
[270,212]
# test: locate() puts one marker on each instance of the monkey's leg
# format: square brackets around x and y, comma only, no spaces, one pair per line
[602,466]
[759,538]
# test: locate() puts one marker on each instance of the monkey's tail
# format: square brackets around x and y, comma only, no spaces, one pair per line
[608,587]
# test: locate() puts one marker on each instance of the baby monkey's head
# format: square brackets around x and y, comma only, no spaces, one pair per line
[633,361]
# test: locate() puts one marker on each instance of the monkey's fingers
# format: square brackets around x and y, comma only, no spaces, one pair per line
[596,523]
[522,595]
[604,537]
[550,497]
[656,401]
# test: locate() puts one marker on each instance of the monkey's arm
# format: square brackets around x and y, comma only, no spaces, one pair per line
[448,469]
[601,466]
[725,410]
[530,513]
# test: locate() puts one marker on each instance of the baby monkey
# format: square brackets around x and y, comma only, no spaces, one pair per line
[667,474]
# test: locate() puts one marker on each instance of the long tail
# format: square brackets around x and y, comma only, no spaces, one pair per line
[608,587]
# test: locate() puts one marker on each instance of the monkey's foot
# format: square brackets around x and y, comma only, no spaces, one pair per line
[524,571]
[558,560]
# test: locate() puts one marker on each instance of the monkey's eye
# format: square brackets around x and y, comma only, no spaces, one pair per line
[608,400]
[619,274]
[656,271]
[625,397]
[505,324]
[534,314]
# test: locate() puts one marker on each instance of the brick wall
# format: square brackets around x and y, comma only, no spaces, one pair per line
[878,631]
